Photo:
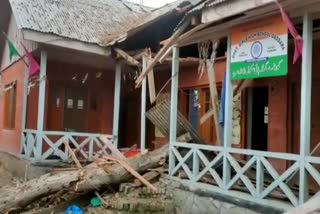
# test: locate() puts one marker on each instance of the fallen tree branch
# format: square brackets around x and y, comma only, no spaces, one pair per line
[80,181]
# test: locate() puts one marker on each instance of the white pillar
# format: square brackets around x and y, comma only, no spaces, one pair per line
[143,107]
[305,115]
[227,131]
[116,104]
[41,103]
[174,106]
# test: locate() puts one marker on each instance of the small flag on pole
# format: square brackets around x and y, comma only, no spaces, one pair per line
[223,103]
[12,49]
[34,67]
[298,41]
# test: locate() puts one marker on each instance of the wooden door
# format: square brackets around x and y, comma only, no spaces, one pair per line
[207,129]
[76,109]
[56,107]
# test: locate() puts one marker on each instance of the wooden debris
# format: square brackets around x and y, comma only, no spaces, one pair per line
[127,57]
[113,149]
[148,177]
[163,51]
[130,149]
[132,172]
[214,95]
[151,84]
[78,182]
[206,116]
[74,157]
[104,203]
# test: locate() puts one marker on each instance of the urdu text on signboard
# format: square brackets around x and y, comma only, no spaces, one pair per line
[259,49]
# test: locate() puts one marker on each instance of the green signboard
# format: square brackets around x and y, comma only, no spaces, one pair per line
[259,49]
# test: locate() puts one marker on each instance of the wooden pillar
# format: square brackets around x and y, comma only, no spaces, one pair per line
[305,124]
[143,107]
[174,106]
[41,103]
[116,104]
[227,131]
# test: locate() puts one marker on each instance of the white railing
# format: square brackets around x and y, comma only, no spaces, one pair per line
[50,145]
[256,176]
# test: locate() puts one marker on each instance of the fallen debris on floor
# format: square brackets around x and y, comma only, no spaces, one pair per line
[68,185]
[131,199]
[6,178]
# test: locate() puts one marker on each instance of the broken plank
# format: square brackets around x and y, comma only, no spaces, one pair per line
[127,57]
[151,84]
[165,55]
[132,172]
[241,85]
[214,92]
[73,155]
[148,176]
[162,51]
[130,149]
[113,149]
[206,116]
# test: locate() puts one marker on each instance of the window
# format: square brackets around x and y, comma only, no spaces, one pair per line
[10,105]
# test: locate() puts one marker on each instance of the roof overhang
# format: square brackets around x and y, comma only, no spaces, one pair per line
[230,8]
[58,41]
[217,21]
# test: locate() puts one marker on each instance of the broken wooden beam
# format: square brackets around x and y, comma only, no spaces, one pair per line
[127,57]
[148,176]
[214,91]
[73,156]
[162,51]
[151,83]
[132,171]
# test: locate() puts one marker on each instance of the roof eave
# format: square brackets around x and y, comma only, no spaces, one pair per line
[58,41]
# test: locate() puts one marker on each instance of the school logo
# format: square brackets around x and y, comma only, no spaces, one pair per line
[256,50]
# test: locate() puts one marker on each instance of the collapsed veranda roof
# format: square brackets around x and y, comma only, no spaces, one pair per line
[150,19]
[83,20]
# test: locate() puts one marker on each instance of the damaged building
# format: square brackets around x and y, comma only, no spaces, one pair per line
[230,85]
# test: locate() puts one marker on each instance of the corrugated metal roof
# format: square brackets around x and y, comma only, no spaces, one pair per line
[206,4]
[143,23]
[84,20]
[198,8]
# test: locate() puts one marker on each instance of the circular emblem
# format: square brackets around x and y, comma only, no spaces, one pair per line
[256,49]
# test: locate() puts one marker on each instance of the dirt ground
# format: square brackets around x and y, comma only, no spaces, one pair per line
[6,178]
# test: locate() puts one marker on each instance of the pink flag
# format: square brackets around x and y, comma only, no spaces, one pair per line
[34,67]
[298,41]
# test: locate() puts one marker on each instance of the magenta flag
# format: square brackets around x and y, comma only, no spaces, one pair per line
[34,67]
[298,41]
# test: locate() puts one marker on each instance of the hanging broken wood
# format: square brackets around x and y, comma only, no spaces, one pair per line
[162,52]
[129,59]
[151,83]
[213,90]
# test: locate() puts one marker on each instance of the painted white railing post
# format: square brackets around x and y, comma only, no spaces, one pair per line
[143,107]
[116,105]
[259,177]
[174,106]
[305,115]
[227,131]
[41,103]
